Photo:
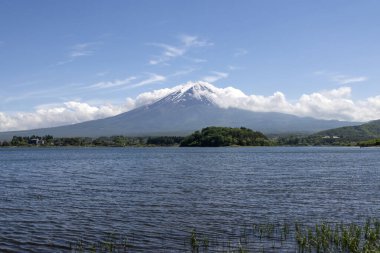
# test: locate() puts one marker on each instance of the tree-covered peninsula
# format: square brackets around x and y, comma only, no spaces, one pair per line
[225,136]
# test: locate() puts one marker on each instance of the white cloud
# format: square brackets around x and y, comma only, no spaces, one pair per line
[79,50]
[82,49]
[194,41]
[126,83]
[328,104]
[198,60]
[60,114]
[182,72]
[215,76]
[171,52]
[332,104]
[343,79]
[152,96]
[232,67]
[113,83]
[195,60]
[153,78]
[153,62]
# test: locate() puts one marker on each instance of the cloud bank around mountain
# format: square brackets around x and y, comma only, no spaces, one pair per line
[329,104]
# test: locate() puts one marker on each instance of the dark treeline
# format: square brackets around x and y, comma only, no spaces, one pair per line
[113,141]
[207,137]
[314,140]
[164,140]
[370,143]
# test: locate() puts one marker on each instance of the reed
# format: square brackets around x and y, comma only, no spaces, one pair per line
[322,237]
[319,238]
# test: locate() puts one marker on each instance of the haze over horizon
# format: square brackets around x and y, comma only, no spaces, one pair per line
[69,62]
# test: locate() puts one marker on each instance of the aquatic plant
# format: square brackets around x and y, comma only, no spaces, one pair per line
[322,237]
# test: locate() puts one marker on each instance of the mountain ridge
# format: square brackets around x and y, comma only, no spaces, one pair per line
[187,108]
[363,132]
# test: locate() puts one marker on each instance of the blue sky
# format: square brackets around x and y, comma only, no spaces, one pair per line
[98,52]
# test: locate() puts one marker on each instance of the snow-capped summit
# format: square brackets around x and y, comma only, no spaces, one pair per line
[198,87]
[190,93]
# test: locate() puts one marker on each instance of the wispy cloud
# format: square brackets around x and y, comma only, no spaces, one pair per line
[198,60]
[182,72]
[194,41]
[83,49]
[232,67]
[58,91]
[195,60]
[102,73]
[240,52]
[114,83]
[340,78]
[152,78]
[127,83]
[80,50]
[215,76]
[170,52]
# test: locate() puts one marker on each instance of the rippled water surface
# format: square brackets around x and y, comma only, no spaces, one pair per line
[51,197]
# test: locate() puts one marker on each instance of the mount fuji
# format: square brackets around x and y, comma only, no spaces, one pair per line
[187,108]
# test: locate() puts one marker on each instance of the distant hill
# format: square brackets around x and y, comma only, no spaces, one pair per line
[190,107]
[367,131]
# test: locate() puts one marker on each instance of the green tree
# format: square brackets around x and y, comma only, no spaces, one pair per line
[225,136]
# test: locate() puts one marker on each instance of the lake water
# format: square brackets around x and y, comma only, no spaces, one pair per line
[50,198]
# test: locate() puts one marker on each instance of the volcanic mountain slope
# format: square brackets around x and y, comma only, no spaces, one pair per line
[190,107]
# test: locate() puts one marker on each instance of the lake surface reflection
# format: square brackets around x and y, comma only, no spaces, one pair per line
[51,197]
